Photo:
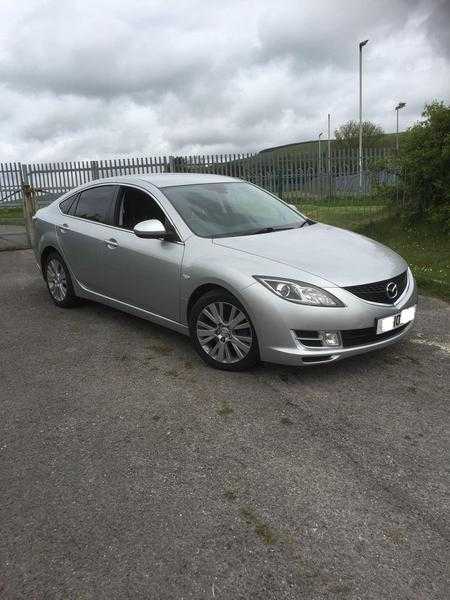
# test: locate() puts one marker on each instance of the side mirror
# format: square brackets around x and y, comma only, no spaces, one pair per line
[150,229]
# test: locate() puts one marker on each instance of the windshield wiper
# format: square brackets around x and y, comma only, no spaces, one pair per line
[271,229]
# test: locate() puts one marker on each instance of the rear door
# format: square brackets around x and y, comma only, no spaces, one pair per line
[142,272]
[82,233]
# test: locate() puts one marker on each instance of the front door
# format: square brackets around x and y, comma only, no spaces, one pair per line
[142,272]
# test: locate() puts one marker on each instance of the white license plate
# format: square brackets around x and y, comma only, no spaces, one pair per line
[401,318]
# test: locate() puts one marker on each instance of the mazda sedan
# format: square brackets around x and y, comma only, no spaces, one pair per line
[244,274]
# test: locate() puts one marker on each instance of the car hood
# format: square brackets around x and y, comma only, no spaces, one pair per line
[341,257]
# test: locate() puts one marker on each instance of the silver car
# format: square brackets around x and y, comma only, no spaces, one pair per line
[246,275]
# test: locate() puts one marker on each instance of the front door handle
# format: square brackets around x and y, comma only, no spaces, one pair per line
[63,228]
[111,243]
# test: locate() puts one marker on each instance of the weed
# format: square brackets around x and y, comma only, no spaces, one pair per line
[263,530]
[224,409]
[230,494]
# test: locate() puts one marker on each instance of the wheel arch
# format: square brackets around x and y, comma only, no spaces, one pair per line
[44,254]
[208,286]
[200,291]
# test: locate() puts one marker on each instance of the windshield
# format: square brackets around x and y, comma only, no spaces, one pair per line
[227,209]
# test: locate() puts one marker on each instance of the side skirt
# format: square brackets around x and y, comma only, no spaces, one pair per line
[84,292]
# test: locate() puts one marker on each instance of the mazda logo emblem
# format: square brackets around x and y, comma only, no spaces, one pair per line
[391,290]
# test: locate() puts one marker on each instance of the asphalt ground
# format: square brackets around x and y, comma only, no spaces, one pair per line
[13,237]
[129,469]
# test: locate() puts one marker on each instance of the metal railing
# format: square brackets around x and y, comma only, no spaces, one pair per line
[290,175]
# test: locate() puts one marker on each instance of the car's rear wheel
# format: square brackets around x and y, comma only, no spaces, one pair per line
[59,282]
[222,332]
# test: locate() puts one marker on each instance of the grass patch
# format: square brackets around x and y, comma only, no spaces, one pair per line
[336,201]
[343,213]
[11,215]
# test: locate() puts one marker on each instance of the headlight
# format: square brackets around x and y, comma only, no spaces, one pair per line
[299,292]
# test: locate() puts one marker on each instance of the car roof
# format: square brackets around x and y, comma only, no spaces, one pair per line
[162,180]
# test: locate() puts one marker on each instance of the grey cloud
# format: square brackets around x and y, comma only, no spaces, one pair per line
[438,26]
[113,78]
[319,33]
[89,50]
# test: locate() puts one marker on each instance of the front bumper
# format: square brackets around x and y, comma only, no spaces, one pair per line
[275,321]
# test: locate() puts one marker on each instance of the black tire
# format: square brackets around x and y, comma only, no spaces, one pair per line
[62,295]
[222,336]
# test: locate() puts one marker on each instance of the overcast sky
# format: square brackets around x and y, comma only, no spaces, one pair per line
[108,78]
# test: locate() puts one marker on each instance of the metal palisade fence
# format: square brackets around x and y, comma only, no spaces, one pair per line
[290,175]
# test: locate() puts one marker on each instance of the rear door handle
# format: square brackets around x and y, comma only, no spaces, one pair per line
[111,243]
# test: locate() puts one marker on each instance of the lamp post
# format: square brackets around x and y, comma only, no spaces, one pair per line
[361,46]
[399,106]
[319,167]
[320,156]
[329,155]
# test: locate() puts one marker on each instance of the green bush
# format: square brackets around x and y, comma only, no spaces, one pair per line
[422,166]
[424,160]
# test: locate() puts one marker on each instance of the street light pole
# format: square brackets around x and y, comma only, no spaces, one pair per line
[320,156]
[361,45]
[329,155]
[319,167]
[399,106]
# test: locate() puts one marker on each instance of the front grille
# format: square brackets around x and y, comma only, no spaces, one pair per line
[377,292]
[361,337]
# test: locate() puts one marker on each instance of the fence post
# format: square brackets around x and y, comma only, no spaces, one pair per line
[172,168]
[29,204]
[95,174]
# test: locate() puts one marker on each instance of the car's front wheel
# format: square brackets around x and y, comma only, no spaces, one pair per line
[59,282]
[222,332]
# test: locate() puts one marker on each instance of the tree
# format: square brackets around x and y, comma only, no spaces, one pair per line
[347,135]
[424,163]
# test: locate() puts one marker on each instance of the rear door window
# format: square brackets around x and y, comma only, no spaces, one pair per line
[67,206]
[97,204]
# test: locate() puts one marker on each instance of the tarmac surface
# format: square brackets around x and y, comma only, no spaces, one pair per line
[129,469]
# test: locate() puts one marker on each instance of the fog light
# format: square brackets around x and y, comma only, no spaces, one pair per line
[331,338]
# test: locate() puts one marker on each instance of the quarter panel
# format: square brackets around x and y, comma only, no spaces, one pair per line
[44,232]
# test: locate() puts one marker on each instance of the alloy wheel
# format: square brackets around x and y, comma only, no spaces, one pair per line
[224,332]
[56,279]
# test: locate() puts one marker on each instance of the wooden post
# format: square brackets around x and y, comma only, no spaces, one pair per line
[29,205]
